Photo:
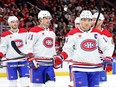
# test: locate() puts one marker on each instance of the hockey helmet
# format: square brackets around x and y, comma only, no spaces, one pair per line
[12,18]
[101,17]
[77,20]
[44,13]
[86,14]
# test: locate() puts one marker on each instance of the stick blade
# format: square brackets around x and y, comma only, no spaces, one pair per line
[16,49]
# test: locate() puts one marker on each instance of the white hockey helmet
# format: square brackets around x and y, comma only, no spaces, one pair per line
[101,17]
[12,18]
[86,14]
[44,13]
[77,20]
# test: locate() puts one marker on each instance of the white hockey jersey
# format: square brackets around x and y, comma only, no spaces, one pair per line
[41,42]
[18,37]
[86,48]
[108,38]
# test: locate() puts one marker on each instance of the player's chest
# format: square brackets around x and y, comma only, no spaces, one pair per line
[16,36]
[83,36]
[87,41]
[46,34]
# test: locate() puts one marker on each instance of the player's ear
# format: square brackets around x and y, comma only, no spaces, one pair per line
[9,24]
[40,20]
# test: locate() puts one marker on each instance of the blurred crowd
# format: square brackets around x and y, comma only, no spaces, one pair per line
[63,13]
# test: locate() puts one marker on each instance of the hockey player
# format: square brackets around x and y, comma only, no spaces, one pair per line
[41,44]
[87,63]
[72,31]
[77,22]
[19,37]
[77,25]
[108,37]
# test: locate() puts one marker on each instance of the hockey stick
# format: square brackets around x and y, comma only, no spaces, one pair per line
[99,9]
[12,59]
[43,59]
[83,63]
[28,64]
[20,53]
[23,54]
[41,62]
[33,6]
[16,49]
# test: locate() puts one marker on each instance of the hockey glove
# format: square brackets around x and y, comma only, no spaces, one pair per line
[107,64]
[58,59]
[34,64]
[29,55]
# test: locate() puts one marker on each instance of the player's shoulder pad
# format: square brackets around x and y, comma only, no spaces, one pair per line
[73,31]
[106,33]
[22,30]
[96,30]
[36,29]
[5,33]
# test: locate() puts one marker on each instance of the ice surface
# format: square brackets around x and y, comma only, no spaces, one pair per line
[63,81]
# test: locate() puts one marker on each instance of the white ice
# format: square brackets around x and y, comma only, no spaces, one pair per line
[63,81]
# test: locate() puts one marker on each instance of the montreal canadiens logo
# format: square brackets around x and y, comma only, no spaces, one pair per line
[48,42]
[88,45]
[19,43]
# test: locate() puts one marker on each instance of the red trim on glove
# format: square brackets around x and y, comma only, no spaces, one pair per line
[30,59]
[1,54]
[30,54]
[108,68]
[109,59]
[64,54]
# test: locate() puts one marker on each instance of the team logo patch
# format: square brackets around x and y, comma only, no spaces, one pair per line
[79,82]
[37,79]
[19,43]
[88,45]
[48,42]
[11,76]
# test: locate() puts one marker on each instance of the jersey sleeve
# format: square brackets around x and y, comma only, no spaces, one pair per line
[31,39]
[104,46]
[71,33]
[68,47]
[108,38]
[3,45]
